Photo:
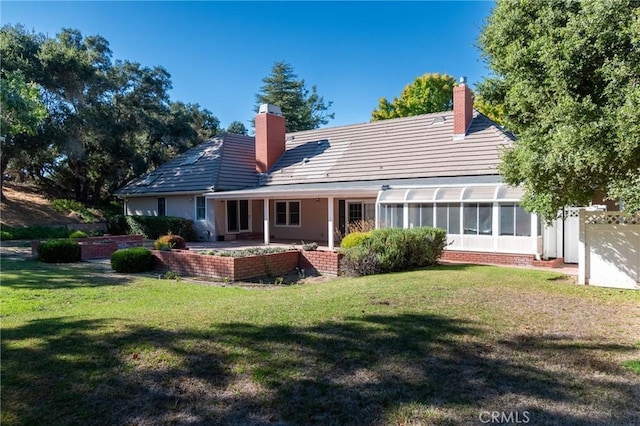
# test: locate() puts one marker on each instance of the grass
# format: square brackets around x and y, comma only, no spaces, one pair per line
[435,346]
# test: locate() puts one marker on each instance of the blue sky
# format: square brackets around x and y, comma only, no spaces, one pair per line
[218,52]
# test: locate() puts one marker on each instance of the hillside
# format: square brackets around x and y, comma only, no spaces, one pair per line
[26,206]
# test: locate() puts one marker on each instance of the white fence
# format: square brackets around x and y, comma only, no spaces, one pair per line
[609,250]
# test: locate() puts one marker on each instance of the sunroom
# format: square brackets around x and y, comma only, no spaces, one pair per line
[484,218]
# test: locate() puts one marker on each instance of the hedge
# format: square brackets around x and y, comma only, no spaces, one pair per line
[353,239]
[151,227]
[134,259]
[59,251]
[395,249]
[32,232]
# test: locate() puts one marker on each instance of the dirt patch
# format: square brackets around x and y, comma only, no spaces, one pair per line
[25,205]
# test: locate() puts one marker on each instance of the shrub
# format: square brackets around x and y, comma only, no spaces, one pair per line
[359,261]
[170,241]
[252,251]
[117,225]
[400,249]
[33,233]
[310,246]
[59,251]
[153,227]
[135,259]
[78,234]
[71,206]
[354,239]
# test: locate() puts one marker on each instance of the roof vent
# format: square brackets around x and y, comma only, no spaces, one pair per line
[269,109]
[305,160]
[463,80]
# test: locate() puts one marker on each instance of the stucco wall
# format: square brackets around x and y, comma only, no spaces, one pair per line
[313,222]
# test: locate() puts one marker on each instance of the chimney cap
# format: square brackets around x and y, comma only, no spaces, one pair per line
[269,109]
[463,80]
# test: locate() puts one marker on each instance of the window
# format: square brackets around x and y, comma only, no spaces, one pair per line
[478,219]
[237,215]
[201,209]
[448,217]
[361,216]
[391,215]
[162,206]
[514,220]
[287,213]
[420,215]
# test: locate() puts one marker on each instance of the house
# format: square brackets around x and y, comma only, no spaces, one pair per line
[436,169]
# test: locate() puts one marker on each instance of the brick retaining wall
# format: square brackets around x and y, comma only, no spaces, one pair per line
[498,258]
[99,247]
[324,262]
[241,268]
[234,268]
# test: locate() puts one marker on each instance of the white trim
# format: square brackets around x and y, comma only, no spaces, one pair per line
[330,238]
[288,213]
[195,200]
[265,225]
[226,216]
[158,206]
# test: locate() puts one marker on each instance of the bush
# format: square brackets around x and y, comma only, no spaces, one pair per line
[59,251]
[359,261]
[310,246]
[33,233]
[170,242]
[400,249]
[151,227]
[117,225]
[354,239]
[78,234]
[251,251]
[135,259]
[72,206]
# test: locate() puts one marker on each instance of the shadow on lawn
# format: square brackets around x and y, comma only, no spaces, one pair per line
[35,275]
[353,372]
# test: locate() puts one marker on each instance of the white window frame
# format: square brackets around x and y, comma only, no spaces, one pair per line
[467,206]
[226,217]
[288,214]
[204,207]
[158,206]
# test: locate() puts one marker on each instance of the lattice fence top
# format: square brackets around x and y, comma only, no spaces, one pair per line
[611,218]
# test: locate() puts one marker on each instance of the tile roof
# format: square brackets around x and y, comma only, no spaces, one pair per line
[412,147]
[223,163]
[419,147]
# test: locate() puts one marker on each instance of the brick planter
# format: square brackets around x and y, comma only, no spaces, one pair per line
[498,258]
[234,268]
[188,263]
[324,262]
[99,247]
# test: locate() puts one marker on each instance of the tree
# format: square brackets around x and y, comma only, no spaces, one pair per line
[237,128]
[107,121]
[302,109]
[428,93]
[22,114]
[569,71]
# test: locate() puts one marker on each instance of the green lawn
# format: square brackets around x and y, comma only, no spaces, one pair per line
[436,346]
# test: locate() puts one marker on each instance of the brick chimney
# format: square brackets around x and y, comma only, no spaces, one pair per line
[270,136]
[462,109]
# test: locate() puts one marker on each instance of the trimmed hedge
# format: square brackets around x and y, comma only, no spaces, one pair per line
[395,249]
[59,251]
[134,259]
[353,239]
[32,233]
[152,227]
